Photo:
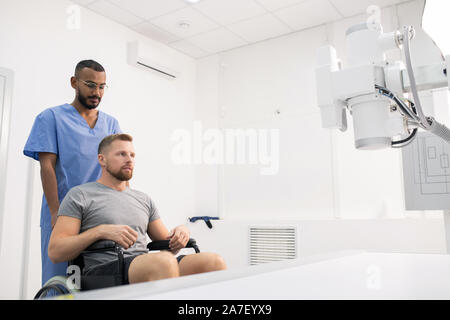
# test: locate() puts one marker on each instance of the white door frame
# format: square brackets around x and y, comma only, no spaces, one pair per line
[5,115]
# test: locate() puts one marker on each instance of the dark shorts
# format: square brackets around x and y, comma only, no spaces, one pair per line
[112,268]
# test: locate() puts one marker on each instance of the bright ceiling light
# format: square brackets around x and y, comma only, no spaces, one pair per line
[192,1]
[436,23]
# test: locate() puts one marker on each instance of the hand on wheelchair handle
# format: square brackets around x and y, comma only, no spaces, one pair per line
[178,237]
[123,235]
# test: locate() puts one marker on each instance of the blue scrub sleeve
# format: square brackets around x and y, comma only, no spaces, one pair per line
[42,137]
[116,127]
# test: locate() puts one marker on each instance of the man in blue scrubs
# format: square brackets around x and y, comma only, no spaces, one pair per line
[65,139]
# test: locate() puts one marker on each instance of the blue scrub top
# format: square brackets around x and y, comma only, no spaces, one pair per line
[63,131]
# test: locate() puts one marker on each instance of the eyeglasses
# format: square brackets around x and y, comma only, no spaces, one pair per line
[93,86]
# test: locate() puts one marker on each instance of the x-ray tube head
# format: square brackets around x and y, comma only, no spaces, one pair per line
[371,122]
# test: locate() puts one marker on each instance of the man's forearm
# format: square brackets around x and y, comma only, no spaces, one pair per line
[67,248]
[50,188]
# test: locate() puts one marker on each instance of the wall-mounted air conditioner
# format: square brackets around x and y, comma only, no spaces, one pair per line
[137,57]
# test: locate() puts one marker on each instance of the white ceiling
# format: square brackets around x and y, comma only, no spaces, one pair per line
[212,26]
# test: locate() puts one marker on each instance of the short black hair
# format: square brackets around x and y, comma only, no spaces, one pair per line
[91,64]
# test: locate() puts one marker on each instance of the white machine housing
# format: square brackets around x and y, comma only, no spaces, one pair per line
[376,120]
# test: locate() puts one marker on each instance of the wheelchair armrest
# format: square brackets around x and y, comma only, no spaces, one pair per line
[99,246]
[102,246]
[164,245]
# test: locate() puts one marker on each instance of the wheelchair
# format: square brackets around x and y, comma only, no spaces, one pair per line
[59,285]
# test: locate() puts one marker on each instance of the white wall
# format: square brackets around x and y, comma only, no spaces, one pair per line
[43,52]
[321,174]
[340,197]
[257,81]
[230,237]
[207,93]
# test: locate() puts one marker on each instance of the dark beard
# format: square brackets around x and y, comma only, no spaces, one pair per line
[119,175]
[84,103]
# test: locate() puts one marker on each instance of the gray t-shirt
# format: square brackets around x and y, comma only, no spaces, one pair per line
[95,204]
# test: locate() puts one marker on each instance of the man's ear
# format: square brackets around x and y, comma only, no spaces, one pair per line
[73,82]
[101,160]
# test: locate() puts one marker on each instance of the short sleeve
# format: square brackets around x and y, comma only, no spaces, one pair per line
[154,214]
[73,204]
[116,127]
[43,136]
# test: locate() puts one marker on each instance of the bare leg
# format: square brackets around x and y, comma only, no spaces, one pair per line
[201,262]
[153,266]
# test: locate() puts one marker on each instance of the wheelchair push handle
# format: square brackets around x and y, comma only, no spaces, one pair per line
[207,220]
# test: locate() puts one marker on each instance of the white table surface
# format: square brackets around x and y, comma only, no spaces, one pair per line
[340,275]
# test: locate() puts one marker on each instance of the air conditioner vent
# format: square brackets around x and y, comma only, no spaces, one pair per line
[140,56]
[157,70]
[274,243]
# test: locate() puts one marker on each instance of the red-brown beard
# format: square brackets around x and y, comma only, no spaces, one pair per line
[120,175]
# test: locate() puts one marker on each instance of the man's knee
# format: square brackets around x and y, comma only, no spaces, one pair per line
[166,263]
[217,262]
[153,266]
[213,262]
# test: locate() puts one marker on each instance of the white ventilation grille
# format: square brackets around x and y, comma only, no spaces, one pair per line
[269,244]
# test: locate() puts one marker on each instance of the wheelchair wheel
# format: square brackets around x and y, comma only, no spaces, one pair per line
[54,287]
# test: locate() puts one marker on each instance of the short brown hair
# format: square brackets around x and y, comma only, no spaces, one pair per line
[111,138]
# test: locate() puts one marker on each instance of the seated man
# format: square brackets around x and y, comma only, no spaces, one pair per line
[109,210]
